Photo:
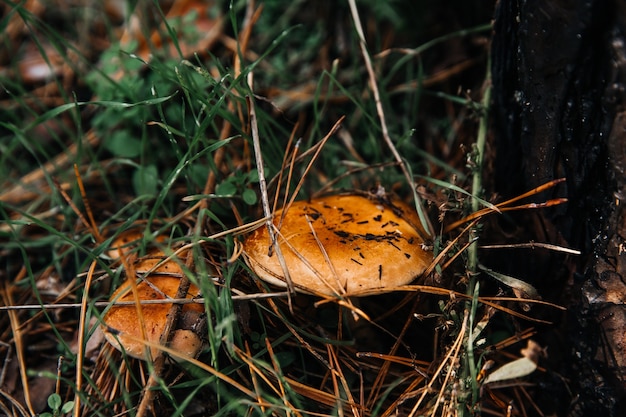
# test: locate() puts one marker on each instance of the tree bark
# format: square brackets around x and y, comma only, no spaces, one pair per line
[559,76]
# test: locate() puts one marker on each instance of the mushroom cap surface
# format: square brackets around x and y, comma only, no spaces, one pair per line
[340,245]
[124,244]
[125,320]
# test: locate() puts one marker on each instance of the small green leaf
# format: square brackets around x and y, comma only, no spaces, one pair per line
[54,401]
[122,144]
[145,180]
[253,175]
[249,197]
[67,407]
[227,188]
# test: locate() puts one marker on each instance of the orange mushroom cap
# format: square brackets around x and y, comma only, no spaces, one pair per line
[121,324]
[341,244]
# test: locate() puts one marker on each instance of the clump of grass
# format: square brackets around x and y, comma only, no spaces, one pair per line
[163,145]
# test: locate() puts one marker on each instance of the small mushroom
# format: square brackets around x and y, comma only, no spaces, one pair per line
[123,245]
[340,245]
[121,324]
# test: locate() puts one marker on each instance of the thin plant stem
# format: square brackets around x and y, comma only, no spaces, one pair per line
[477,175]
[469,370]
[471,363]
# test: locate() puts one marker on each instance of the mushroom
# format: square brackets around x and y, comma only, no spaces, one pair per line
[121,324]
[124,243]
[342,244]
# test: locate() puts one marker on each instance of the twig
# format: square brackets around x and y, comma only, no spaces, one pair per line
[182,301]
[19,347]
[80,355]
[427,225]
[505,205]
[283,167]
[83,194]
[263,186]
[533,245]
[331,132]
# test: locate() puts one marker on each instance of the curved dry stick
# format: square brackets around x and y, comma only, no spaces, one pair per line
[427,225]
[264,196]
[80,355]
[19,345]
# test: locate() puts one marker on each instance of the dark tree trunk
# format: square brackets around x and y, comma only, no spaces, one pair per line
[559,75]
